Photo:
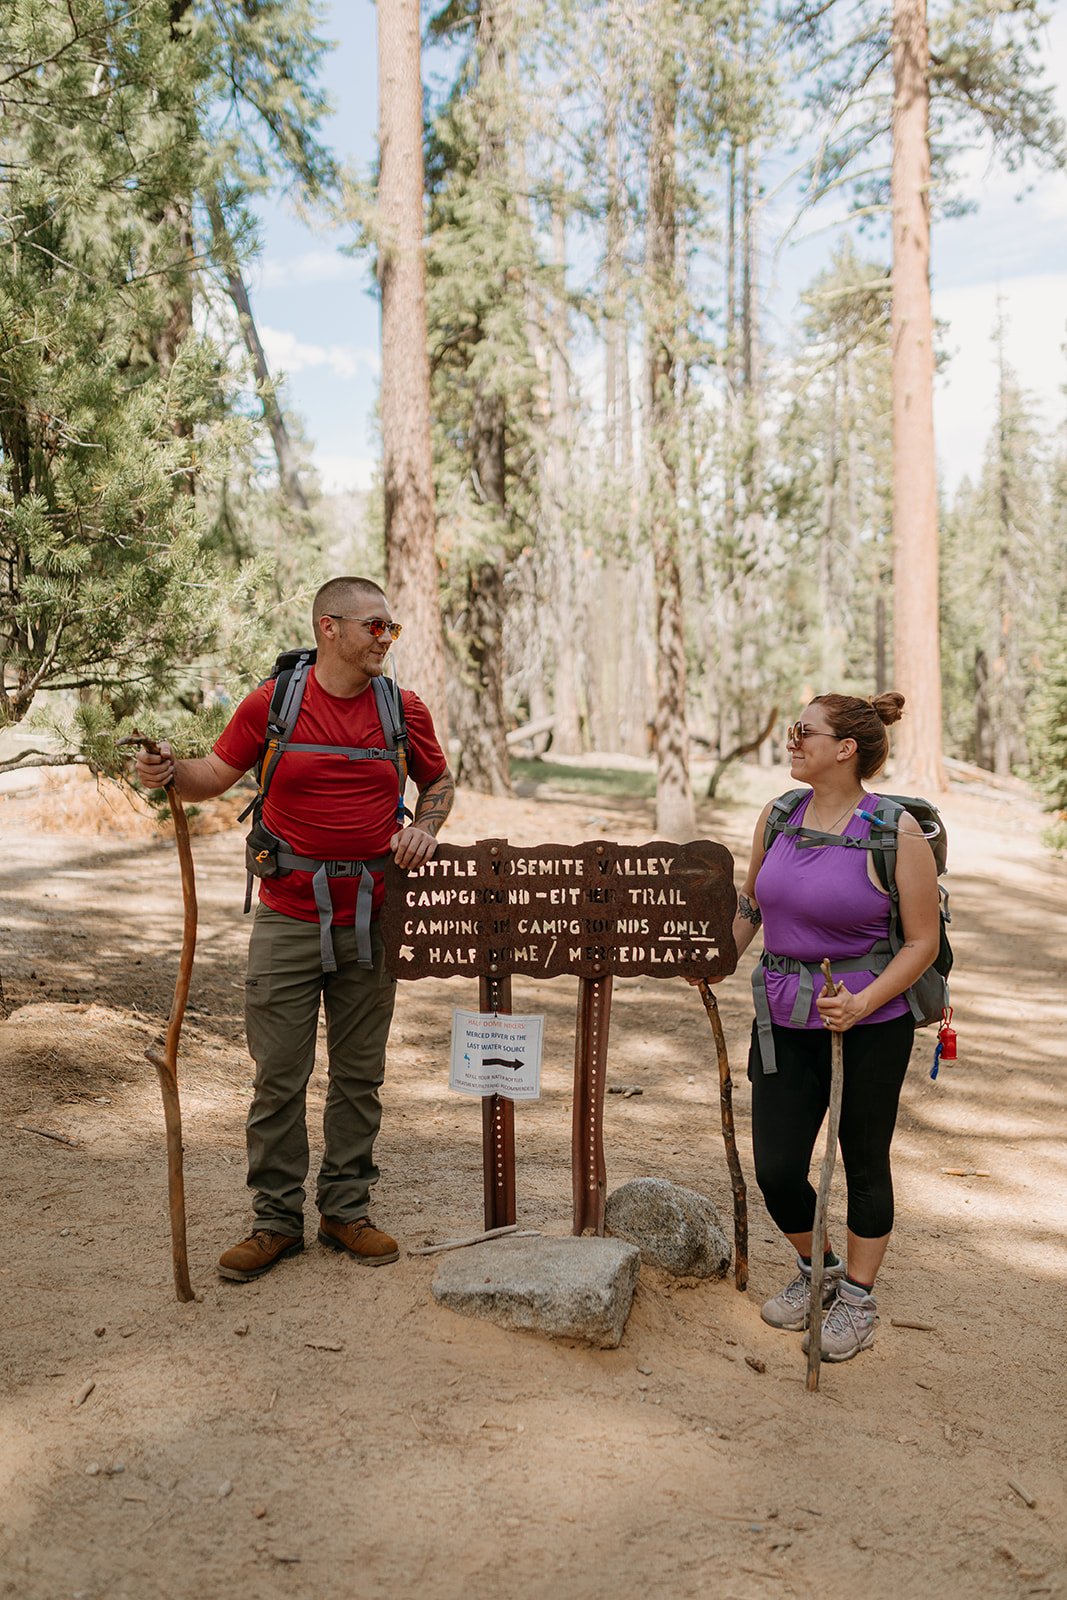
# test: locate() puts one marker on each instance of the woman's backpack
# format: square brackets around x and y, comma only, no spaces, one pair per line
[928,995]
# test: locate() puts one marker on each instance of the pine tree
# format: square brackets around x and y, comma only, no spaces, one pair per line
[927,85]
[1000,605]
[916,645]
[119,422]
[1046,720]
[833,477]
[675,811]
[480,261]
[102,585]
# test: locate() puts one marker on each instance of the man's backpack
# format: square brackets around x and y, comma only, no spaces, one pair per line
[290,674]
[268,856]
[928,996]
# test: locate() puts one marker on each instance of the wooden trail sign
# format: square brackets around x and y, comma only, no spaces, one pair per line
[597,910]
[658,910]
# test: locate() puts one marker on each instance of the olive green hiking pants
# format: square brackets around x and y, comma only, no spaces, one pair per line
[282,993]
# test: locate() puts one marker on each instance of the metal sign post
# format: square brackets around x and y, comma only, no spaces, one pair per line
[597,911]
[498,1124]
[588,1169]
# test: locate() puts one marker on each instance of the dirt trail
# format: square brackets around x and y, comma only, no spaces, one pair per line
[433,1455]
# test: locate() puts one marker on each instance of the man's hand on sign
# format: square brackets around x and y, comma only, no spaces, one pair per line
[412,846]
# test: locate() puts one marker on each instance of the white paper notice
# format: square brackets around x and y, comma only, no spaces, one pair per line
[496,1055]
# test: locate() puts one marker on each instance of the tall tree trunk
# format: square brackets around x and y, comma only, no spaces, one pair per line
[675,811]
[1009,693]
[729,509]
[177,215]
[535,654]
[617,421]
[410,556]
[605,705]
[484,754]
[613,312]
[829,608]
[756,694]
[485,757]
[916,655]
[983,723]
[485,761]
[567,601]
[273,416]
[620,707]
[748,269]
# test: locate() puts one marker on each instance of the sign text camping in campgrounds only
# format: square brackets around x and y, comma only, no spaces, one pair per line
[658,910]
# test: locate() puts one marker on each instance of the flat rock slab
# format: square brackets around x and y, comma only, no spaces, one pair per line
[567,1288]
[674,1228]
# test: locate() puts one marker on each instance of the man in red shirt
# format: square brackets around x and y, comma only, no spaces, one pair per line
[326,807]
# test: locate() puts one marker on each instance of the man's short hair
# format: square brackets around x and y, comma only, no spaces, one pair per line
[335,597]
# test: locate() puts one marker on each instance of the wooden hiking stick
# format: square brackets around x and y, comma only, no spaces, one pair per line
[822,1199]
[166,1061]
[726,1109]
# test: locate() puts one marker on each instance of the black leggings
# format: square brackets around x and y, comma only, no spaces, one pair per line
[788,1107]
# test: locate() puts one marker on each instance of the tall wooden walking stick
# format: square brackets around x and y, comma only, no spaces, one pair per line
[165,1061]
[822,1199]
[726,1110]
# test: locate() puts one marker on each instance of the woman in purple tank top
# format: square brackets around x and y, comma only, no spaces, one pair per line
[817,899]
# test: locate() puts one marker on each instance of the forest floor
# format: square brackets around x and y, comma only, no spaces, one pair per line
[331,1430]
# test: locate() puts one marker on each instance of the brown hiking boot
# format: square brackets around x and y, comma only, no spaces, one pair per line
[361,1239]
[256,1255]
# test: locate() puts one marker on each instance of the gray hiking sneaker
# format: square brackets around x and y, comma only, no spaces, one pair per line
[848,1326]
[789,1309]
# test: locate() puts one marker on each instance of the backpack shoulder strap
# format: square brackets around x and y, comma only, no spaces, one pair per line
[887,814]
[390,713]
[286,699]
[781,811]
[288,696]
[394,725]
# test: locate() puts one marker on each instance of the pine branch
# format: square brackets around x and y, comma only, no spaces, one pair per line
[39,758]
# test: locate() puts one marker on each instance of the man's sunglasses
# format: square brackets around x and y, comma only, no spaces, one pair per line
[375,626]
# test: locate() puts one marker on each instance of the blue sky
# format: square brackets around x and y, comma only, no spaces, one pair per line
[319,319]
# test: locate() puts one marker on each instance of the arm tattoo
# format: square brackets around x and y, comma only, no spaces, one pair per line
[749,910]
[435,802]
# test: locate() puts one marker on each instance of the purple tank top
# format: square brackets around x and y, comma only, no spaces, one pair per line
[820,902]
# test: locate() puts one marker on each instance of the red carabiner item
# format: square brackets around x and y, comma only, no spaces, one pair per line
[946,1036]
[945,1049]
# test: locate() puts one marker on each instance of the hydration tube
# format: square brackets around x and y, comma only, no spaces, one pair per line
[879,822]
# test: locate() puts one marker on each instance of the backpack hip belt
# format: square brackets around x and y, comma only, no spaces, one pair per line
[876,960]
[321,872]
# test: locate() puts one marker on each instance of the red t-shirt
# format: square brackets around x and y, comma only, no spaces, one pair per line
[323,805]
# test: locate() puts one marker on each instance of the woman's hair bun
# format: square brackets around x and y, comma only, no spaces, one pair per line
[889,706]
